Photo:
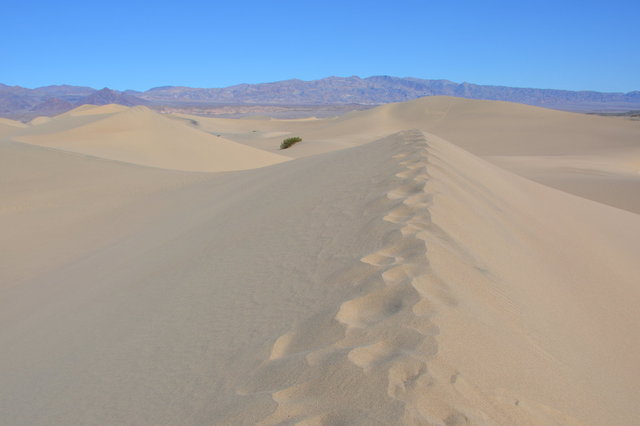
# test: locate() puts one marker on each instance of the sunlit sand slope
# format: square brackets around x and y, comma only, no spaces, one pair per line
[140,136]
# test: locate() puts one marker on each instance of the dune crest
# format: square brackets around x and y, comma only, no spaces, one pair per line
[39,120]
[89,109]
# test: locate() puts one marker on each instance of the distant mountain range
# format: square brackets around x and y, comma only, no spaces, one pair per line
[49,100]
[16,101]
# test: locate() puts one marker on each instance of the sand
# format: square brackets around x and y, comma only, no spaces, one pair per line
[401,280]
[89,109]
[529,141]
[140,136]
[39,120]
[9,127]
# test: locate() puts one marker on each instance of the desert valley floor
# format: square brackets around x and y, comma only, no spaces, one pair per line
[441,262]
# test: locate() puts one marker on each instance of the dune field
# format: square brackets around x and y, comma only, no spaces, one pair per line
[441,261]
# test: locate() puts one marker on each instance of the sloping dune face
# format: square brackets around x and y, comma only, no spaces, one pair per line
[405,281]
[138,135]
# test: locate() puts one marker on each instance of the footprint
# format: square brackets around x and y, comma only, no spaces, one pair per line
[367,357]
[375,306]
[383,337]
[400,214]
[419,174]
[379,259]
[315,332]
[419,200]
[394,344]
[405,191]
[405,375]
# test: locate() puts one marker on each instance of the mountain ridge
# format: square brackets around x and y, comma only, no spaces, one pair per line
[333,90]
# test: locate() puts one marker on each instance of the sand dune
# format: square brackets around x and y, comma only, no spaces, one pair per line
[39,120]
[11,123]
[94,110]
[403,280]
[527,140]
[482,127]
[138,135]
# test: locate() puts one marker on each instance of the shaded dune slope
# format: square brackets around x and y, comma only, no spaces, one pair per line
[58,206]
[402,281]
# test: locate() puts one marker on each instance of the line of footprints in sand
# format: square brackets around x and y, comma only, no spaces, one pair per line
[385,333]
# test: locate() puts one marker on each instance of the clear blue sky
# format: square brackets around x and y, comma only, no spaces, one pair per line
[142,44]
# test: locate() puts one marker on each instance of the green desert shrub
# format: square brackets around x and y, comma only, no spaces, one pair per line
[289,141]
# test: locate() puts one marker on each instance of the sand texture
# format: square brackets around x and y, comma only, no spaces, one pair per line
[392,268]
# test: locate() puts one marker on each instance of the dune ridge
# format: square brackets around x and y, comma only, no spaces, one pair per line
[389,333]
